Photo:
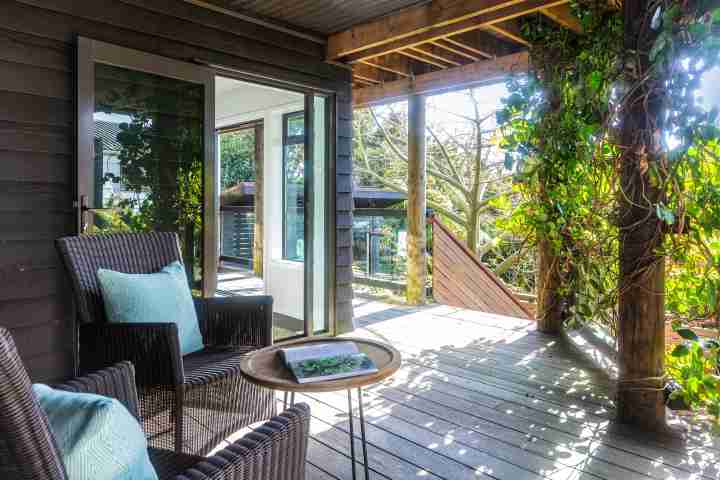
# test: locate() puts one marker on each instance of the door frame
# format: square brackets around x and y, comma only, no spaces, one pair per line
[91,51]
[329,185]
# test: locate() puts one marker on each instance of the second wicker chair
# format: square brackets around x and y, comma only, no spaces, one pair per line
[188,403]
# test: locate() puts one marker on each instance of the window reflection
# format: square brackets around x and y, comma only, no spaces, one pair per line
[149,157]
[294,186]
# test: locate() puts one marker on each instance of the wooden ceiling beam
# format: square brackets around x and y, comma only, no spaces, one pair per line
[457,78]
[402,70]
[461,49]
[369,74]
[441,54]
[479,21]
[508,30]
[420,57]
[562,15]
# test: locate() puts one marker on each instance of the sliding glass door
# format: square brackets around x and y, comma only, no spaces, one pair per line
[145,162]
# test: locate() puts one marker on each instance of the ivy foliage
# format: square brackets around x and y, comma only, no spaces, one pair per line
[555,125]
[561,126]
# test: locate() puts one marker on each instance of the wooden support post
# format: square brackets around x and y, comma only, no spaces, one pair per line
[642,272]
[417,201]
[549,308]
[259,190]
[549,313]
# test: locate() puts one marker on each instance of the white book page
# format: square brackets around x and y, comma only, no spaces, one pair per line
[299,354]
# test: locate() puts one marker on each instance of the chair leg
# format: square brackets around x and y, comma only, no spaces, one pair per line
[178,412]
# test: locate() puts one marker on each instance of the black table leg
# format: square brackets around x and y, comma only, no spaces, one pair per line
[363,441]
[352,433]
[362,434]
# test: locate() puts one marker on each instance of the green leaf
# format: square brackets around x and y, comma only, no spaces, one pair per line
[665,214]
[680,351]
[715,16]
[660,43]
[687,334]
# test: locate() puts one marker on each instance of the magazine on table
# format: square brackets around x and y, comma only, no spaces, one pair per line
[326,361]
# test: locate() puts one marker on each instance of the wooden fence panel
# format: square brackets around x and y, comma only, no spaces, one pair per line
[461,280]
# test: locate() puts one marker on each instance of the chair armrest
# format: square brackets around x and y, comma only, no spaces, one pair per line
[277,448]
[236,321]
[153,348]
[117,382]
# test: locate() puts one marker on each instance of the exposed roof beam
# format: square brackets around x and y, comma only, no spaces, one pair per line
[437,31]
[466,46]
[460,49]
[369,74]
[440,54]
[421,58]
[401,70]
[450,79]
[562,15]
[510,30]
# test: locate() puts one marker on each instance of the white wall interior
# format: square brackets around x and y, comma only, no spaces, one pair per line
[238,102]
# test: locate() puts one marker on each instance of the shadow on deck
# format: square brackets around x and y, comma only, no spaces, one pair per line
[488,396]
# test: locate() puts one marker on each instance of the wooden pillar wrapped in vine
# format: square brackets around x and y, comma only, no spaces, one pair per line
[642,274]
[549,279]
[417,202]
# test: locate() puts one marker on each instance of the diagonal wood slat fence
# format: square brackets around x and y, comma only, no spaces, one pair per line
[460,279]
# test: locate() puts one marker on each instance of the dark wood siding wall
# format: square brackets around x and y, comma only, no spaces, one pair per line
[37,39]
[343,209]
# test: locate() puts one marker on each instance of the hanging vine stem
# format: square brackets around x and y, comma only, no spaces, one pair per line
[576,153]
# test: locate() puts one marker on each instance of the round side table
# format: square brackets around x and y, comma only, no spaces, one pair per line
[265,368]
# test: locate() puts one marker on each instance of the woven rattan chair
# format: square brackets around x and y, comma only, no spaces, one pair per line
[274,451]
[188,403]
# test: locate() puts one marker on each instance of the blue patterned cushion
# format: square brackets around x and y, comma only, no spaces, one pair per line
[98,438]
[156,297]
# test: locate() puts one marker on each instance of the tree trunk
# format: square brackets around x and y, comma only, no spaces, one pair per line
[417,201]
[259,190]
[642,269]
[472,230]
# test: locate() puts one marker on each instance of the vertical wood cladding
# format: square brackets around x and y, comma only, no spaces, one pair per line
[37,39]
[343,214]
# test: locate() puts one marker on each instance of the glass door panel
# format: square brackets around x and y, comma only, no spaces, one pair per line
[149,162]
[318,273]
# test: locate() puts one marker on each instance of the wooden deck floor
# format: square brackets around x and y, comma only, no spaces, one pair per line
[488,396]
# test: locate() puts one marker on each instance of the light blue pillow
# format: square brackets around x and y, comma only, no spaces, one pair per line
[155,297]
[97,436]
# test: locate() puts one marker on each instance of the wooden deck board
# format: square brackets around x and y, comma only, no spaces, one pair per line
[487,396]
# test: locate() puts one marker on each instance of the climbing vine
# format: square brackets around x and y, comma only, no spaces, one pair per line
[555,125]
[561,128]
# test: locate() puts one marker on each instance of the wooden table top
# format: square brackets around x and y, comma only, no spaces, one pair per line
[264,367]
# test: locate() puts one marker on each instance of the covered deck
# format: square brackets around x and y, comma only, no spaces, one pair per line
[480,395]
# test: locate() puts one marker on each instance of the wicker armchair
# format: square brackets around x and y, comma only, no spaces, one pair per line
[274,451]
[188,403]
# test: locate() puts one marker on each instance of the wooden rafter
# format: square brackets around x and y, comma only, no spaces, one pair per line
[460,49]
[444,80]
[433,30]
[402,71]
[510,30]
[422,58]
[368,74]
[467,47]
[439,54]
[562,15]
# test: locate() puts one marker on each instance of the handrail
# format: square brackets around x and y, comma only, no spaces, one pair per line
[435,222]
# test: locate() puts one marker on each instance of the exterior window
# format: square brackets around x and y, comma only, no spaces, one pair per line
[294,186]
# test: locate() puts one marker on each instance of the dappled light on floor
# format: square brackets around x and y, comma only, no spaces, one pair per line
[484,396]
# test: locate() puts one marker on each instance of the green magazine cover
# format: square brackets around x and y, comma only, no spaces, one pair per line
[327,361]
